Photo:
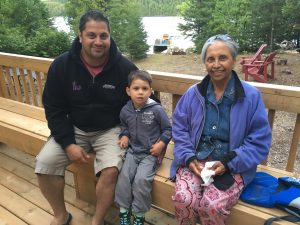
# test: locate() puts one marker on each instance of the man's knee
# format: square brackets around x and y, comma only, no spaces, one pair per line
[50,178]
[109,175]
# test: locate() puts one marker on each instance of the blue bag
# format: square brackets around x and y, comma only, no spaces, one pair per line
[268,191]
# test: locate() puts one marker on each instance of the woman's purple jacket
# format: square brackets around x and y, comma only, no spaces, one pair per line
[250,133]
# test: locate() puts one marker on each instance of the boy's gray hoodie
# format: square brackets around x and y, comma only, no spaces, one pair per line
[145,126]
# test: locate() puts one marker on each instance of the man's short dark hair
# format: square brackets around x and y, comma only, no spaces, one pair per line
[139,74]
[92,15]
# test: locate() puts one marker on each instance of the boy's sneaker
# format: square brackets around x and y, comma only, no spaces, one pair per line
[138,220]
[125,218]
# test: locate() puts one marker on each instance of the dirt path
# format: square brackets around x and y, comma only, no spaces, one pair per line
[288,74]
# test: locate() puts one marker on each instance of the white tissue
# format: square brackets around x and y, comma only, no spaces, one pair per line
[206,173]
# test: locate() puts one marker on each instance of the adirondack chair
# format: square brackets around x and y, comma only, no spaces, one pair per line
[259,69]
[255,57]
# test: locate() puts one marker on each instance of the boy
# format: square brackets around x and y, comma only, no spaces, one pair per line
[146,132]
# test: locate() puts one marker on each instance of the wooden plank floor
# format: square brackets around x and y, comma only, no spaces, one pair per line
[21,201]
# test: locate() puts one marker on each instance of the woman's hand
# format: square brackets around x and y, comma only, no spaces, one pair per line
[219,168]
[195,167]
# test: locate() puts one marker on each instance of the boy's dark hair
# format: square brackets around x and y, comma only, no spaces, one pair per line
[139,74]
[92,15]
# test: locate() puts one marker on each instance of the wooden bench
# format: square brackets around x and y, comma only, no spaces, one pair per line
[24,126]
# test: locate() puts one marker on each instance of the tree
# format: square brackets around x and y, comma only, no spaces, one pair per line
[158,7]
[26,28]
[44,37]
[291,13]
[28,15]
[136,37]
[245,20]
[13,40]
[232,17]
[197,14]
[127,28]
[56,8]
[268,27]
[75,8]
[125,22]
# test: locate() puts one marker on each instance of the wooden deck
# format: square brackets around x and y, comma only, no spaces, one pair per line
[21,201]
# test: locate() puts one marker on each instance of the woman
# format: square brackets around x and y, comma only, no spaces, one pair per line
[221,119]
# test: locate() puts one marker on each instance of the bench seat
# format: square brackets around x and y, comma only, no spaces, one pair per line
[24,127]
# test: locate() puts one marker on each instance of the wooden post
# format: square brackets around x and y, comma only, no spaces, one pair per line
[294,145]
[271,116]
[175,99]
[85,180]
[157,94]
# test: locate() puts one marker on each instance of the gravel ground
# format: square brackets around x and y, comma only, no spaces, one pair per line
[288,74]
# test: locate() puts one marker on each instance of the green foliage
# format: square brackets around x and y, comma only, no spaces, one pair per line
[146,7]
[25,14]
[268,27]
[13,40]
[158,7]
[44,37]
[125,22]
[127,28]
[291,14]
[232,17]
[136,37]
[26,28]
[55,7]
[75,8]
[249,22]
[197,15]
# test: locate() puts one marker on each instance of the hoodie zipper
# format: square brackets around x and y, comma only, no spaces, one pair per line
[136,123]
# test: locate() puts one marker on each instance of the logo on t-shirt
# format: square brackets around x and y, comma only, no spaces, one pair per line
[76,87]
[109,86]
[148,117]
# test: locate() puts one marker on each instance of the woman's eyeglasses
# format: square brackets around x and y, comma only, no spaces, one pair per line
[222,37]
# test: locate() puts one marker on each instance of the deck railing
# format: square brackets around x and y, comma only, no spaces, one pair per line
[22,78]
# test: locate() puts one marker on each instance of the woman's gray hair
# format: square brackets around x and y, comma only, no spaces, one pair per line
[231,44]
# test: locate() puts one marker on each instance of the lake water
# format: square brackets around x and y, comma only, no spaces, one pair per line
[155,27]
[61,24]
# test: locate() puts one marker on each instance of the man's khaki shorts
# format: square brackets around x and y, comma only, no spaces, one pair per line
[53,160]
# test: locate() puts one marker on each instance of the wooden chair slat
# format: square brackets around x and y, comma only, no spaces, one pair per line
[25,86]
[3,91]
[11,88]
[16,84]
[32,88]
[39,87]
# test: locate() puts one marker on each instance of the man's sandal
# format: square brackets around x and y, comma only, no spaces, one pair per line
[68,219]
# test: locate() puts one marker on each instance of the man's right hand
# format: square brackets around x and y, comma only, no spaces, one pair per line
[77,154]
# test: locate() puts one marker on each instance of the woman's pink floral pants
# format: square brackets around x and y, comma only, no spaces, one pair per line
[208,204]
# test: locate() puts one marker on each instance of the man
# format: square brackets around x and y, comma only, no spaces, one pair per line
[83,95]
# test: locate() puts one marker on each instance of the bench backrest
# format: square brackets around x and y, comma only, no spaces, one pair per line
[27,87]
